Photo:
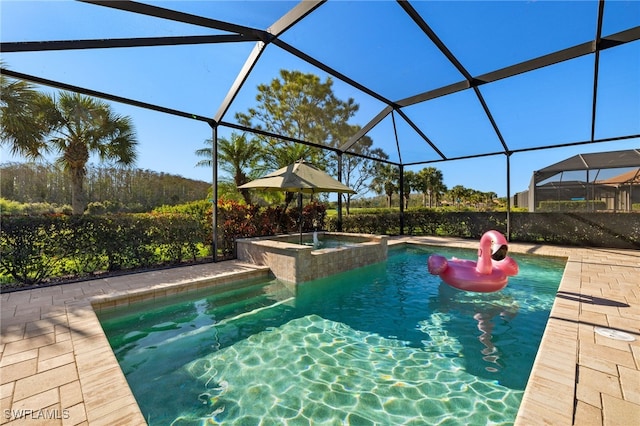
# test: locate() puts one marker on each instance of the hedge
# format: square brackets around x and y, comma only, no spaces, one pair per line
[612,230]
[37,249]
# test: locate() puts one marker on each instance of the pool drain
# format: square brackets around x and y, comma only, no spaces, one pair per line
[614,334]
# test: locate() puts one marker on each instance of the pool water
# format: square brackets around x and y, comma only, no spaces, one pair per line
[384,344]
[328,243]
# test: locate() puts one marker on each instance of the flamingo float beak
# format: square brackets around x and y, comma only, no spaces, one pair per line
[499,251]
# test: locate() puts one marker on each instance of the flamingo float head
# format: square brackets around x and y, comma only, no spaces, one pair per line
[498,244]
[493,246]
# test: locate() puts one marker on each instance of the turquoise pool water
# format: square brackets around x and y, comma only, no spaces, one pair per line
[385,344]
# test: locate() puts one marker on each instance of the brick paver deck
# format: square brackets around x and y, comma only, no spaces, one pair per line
[56,366]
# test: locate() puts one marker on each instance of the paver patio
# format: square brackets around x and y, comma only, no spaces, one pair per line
[56,366]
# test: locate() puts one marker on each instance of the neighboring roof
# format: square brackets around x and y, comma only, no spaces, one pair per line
[563,184]
[591,161]
[632,176]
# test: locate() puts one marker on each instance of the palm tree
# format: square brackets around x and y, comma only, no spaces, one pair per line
[409,183]
[459,194]
[475,197]
[386,181]
[238,155]
[430,183]
[23,123]
[488,199]
[72,126]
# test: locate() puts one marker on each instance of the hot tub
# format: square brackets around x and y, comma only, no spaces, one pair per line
[333,252]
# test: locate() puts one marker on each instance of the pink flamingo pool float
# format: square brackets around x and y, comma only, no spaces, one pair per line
[490,273]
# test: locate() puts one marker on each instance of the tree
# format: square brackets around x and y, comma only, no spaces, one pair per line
[488,199]
[475,197]
[73,127]
[117,189]
[386,181]
[459,194]
[299,106]
[238,156]
[357,171]
[408,183]
[23,121]
[430,183]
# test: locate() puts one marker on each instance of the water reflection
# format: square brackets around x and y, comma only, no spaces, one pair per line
[492,314]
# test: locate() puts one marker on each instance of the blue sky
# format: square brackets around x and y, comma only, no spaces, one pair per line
[381,49]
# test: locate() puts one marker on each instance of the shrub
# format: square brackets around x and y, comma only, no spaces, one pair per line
[32,248]
[236,220]
[96,208]
[10,207]
[571,206]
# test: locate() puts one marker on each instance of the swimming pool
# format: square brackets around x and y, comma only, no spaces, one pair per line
[384,344]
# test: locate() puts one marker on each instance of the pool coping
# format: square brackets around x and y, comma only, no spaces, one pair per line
[57,362]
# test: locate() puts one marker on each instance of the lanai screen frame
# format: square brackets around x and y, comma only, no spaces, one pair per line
[262,38]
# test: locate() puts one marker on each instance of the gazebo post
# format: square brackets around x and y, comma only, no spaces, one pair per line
[300,215]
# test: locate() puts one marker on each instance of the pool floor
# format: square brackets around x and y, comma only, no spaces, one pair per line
[385,344]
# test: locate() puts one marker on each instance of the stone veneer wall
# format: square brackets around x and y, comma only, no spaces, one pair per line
[297,263]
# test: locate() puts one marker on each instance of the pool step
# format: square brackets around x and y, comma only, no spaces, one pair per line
[226,301]
[212,311]
[225,322]
[247,299]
